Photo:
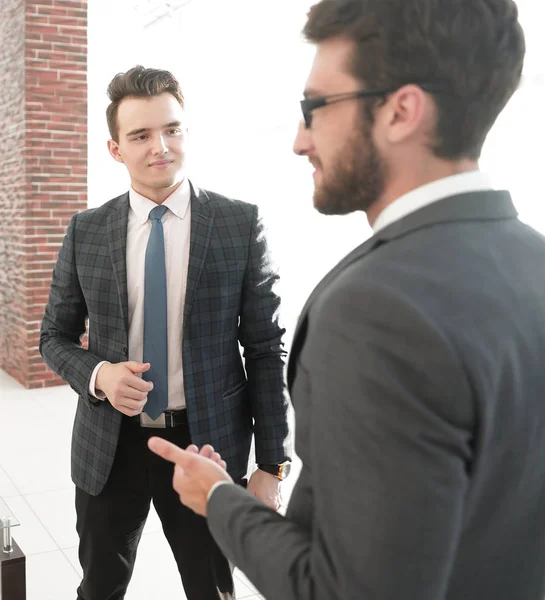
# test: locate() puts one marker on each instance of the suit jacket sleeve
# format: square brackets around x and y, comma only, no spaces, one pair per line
[260,334]
[63,324]
[386,446]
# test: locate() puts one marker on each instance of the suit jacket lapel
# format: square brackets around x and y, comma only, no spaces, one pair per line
[358,252]
[117,241]
[202,221]
[300,330]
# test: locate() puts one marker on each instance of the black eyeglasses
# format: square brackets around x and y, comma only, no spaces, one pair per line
[310,104]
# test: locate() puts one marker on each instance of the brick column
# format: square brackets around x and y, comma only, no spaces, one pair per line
[43,164]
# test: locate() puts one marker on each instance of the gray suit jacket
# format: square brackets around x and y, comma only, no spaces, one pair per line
[418,382]
[230,298]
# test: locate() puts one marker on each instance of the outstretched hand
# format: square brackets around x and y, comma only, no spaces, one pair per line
[194,472]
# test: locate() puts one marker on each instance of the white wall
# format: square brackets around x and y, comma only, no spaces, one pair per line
[242,66]
[514,153]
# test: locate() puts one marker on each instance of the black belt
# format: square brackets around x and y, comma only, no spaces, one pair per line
[169,418]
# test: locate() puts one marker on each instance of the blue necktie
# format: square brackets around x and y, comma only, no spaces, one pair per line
[155,316]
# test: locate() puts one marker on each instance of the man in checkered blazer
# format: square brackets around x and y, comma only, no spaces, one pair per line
[220,292]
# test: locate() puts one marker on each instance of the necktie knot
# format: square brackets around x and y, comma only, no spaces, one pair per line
[157,213]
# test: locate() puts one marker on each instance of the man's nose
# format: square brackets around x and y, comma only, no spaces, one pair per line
[303,140]
[159,146]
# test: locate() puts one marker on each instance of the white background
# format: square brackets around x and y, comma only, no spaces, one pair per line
[242,65]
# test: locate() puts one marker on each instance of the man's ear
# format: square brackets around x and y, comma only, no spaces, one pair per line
[113,148]
[407,113]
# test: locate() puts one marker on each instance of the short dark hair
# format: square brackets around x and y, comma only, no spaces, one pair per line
[474,47]
[139,82]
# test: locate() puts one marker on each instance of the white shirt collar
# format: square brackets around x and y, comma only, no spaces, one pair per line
[475,181]
[177,202]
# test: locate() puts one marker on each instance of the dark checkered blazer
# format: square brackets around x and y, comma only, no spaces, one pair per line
[230,298]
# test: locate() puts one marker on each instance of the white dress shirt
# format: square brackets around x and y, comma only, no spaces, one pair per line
[474,181]
[177,229]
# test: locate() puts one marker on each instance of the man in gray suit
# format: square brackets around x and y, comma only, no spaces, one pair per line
[171,278]
[416,371]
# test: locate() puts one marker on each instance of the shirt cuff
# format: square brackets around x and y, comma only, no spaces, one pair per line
[214,488]
[92,391]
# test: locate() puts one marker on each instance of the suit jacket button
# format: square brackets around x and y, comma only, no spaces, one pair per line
[125,350]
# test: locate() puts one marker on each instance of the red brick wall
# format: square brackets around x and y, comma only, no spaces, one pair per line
[12,188]
[43,164]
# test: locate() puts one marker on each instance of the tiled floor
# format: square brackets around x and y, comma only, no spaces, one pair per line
[35,429]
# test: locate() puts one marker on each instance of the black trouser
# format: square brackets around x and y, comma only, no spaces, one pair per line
[110,525]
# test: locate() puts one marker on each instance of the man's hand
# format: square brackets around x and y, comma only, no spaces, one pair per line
[208,452]
[125,390]
[266,487]
[194,474]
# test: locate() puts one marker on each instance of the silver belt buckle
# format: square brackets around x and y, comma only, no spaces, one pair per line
[158,423]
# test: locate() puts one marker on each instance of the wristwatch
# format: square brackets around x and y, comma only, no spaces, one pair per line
[281,471]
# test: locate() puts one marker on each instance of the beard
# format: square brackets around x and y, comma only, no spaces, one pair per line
[357,178]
